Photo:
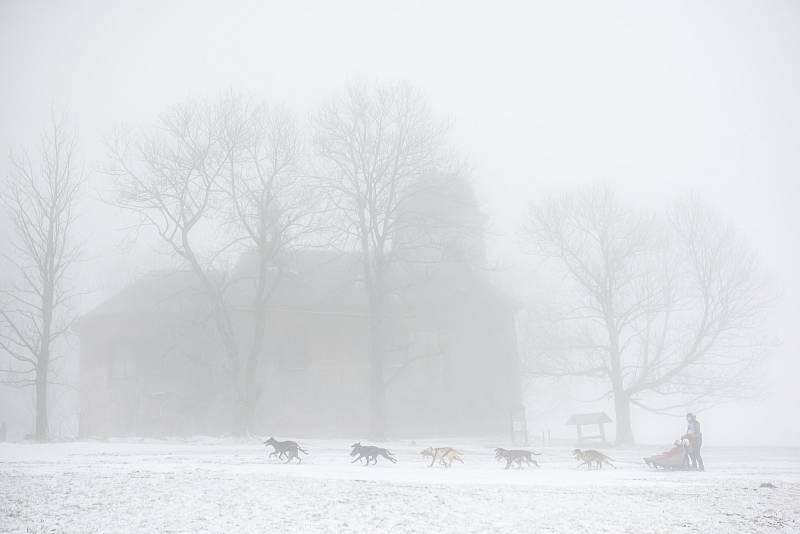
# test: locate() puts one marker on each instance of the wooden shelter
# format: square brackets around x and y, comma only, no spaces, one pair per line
[596,418]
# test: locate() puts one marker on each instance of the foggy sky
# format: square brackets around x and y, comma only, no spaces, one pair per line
[654,98]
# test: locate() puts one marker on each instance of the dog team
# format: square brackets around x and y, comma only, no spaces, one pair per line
[443,456]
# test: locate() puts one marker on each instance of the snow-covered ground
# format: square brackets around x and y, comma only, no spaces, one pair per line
[228,486]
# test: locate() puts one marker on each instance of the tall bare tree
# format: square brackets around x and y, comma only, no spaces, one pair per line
[270,207]
[169,180]
[40,200]
[230,165]
[661,313]
[378,150]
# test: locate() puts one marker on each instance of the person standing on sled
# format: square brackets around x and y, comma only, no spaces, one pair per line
[695,438]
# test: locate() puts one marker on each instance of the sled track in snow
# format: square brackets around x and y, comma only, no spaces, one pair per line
[224,487]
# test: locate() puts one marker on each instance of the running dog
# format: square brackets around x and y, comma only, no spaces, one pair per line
[285,449]
[445,455]
[590,456]
[370,453]
[516,456]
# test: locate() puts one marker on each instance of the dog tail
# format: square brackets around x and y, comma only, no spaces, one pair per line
[301,449]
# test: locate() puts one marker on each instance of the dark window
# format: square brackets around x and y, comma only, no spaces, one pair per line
[120,365]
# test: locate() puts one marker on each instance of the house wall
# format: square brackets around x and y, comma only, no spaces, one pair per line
[453,376]
[165,382]
[326,393]
[468,390]
[456,376]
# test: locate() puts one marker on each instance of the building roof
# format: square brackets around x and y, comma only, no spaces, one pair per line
[312,280]
[588,418]
[160,292]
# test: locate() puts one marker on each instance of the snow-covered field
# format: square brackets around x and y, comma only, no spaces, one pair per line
[228,486]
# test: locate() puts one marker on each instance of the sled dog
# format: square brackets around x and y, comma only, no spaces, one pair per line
[370,453]
[444,455]
[591,456]
[285,449]
[515,456]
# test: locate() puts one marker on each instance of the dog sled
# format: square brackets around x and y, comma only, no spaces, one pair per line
[675,459]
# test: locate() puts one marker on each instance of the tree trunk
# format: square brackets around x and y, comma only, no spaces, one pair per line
[622,408]
[225,330]
[377,419]
[41,399]
[252,391]
[241,415]
[231,348]
[248,408]
[43,364]
[622,403]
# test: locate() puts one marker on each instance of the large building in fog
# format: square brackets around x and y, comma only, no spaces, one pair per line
[151,363]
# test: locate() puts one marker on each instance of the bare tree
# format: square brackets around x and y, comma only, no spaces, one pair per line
[662,314]
[169,180]
[230,165]
[378,151]
[40,200]
[270,208]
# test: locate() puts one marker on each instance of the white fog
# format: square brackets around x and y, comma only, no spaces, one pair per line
[400,224]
